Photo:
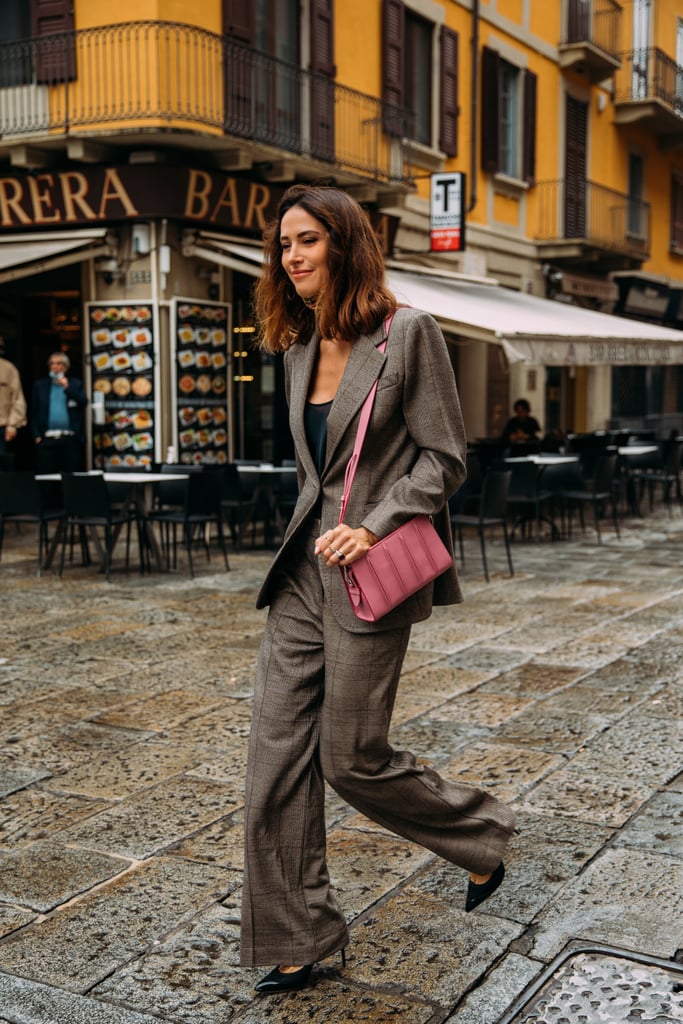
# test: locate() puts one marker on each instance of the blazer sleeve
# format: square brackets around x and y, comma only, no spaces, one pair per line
[434,424]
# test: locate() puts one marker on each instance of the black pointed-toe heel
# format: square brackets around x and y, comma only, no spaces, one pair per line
[279,981]
[290,981]
[476,894]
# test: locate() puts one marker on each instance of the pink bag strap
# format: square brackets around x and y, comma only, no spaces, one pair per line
[365,415]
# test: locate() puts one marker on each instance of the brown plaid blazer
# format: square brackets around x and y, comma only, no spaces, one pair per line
[413,457]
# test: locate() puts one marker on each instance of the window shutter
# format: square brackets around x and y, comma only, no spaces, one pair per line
[238,64]
[322,64]
[393,52]
[677,212]
[52,25]
[449,109]
[490,92]
[238,20]
[529,128]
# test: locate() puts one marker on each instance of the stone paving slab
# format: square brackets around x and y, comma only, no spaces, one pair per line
[14,779]
[46,874]
[152,820]
[571,792]
[502,986]
[627,898]
[30,1003]
[657,827]
[33,814]
[82,944]
[58,750]
[427,947]
[506,770]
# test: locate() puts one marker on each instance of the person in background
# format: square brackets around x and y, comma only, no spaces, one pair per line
[12,405]
[521,427]
[325,681]
[57,423]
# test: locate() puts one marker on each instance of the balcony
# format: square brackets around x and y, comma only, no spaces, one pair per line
[196,90]
[585,224]
[649,92]
[592,41]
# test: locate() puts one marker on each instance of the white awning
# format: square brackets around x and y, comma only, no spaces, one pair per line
[25,255]
[246,259]
[534,330]
[530,329]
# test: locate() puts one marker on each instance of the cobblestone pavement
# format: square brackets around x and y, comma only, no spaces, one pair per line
[124,711]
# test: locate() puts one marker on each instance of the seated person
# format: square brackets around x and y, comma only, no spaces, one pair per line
[522,427]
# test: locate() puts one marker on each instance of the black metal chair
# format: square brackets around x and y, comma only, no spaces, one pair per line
[492,512]
[201,508]
[88,504]
[24,500]
[668,474]
[238,506]
[527,495]
[286,493]
[595,493]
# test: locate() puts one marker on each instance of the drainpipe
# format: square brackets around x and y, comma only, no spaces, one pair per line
[474,85]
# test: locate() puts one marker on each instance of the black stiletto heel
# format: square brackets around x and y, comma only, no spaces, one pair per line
[277,981]
[288,981]
[476,894]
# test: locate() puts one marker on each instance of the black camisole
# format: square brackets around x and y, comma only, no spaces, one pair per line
[315,425]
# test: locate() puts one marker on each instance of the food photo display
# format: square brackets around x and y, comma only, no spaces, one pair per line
[200,342]
[122,357]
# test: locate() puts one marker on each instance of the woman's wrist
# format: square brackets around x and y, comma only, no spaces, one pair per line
[370,536]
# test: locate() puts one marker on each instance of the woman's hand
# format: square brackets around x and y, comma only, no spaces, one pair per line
[342,545]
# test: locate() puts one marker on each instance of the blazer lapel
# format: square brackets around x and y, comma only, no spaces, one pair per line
[360,373]
[303,361]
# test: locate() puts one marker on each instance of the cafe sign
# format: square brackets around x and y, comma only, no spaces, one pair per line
[107,195]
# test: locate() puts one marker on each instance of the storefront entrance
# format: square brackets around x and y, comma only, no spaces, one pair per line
[40,315]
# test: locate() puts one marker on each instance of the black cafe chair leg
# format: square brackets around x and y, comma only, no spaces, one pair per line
[482,545]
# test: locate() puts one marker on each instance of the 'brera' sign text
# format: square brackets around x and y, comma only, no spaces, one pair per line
[104,195]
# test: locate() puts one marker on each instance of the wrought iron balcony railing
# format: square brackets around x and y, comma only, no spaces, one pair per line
[593,216]
[165,75]
[650,88]
[598,23]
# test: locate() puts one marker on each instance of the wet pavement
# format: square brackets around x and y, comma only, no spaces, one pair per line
[124,711]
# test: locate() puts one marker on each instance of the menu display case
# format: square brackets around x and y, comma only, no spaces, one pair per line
[122,340]
[200,335]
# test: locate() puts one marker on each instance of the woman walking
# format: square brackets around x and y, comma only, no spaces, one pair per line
[326,681]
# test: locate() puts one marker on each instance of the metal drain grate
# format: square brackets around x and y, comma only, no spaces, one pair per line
[603,986]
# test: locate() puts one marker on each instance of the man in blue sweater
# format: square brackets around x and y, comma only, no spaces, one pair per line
[57,407]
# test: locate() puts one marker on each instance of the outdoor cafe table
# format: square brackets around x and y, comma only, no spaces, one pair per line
[264,495]
[139,499]
[634,457]
[542,461]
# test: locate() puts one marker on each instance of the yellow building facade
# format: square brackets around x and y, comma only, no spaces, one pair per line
[144,146]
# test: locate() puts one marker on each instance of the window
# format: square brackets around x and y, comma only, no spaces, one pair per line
[417,81]
[410,44]
[50,58]
[264,85]
[636,208]
[508,115]
[509,119]
[677,212]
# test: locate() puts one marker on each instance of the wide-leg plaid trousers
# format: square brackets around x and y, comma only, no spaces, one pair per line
[322,709]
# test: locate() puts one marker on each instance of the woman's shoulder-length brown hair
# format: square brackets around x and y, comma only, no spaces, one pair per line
[356,299]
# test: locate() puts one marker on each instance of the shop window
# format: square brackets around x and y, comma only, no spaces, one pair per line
[677,212]
[410,46]
[508,111]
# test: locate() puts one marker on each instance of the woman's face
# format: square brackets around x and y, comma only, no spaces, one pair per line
[305,247]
